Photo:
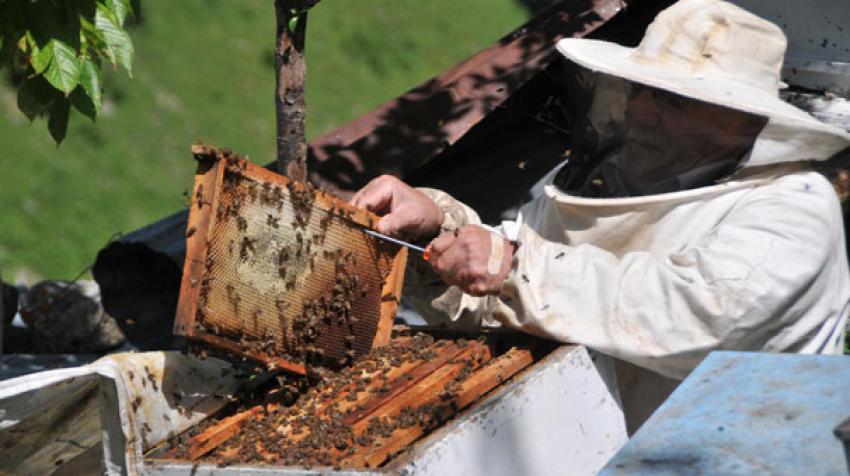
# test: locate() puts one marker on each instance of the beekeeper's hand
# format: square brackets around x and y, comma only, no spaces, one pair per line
[405,213]
[473,259]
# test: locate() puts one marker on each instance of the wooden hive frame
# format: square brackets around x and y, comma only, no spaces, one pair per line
[411,385]
[205,215]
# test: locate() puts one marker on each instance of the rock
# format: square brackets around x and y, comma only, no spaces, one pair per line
[2,315]
[11,336]
[17,340]
[9,305]
[68,317]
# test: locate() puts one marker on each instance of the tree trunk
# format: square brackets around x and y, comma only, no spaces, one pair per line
[291,72]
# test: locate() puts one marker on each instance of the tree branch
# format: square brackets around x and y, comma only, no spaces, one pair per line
[291,73]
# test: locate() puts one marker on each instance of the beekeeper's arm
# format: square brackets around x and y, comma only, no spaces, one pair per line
[419,215]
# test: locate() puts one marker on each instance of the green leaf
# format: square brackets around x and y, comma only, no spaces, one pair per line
[90,81]
[119,46]
[119,9]
[28,103]
[64,71]
[103,22]
[40,58]
[35,96]
[58,122]
[293,23]
[94,38]
[83,103]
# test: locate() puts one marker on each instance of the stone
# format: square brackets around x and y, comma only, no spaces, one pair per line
[67,317]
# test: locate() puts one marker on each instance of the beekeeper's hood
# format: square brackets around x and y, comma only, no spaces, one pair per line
[712,52]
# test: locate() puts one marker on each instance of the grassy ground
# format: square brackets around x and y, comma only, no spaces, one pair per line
[203,70]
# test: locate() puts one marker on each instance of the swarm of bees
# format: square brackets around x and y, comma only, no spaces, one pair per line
[301,431]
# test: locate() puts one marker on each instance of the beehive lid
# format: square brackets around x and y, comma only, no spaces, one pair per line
[281,273]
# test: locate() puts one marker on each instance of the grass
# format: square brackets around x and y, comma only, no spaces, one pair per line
[204,70]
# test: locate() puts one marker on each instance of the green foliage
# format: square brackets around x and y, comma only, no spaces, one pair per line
[204,70]
[293,23]
[57,47]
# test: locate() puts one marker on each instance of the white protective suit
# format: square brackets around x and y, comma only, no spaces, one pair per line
[752,261]
[756,263]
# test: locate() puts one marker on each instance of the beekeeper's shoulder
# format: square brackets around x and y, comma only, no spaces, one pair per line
[798,192]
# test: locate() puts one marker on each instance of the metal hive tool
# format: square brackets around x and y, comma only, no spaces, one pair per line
[280,273]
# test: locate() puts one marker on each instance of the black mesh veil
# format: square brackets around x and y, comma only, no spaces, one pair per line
[630,139]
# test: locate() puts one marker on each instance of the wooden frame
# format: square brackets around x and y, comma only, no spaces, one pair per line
[212,166]
[409,385]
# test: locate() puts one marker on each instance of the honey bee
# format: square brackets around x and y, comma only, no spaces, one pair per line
[272,221]
[247,248]
[233,298]
[241,224]
[199,195]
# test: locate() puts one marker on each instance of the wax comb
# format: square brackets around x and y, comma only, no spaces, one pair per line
[280,273]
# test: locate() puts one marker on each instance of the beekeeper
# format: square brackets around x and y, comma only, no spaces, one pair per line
[687,219]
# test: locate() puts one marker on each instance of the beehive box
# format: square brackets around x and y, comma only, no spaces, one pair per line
[360,416]
[280,273]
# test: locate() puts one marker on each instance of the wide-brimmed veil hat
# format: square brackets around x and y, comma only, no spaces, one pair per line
[717,52]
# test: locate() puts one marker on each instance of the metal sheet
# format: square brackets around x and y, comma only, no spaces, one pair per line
[746,414]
